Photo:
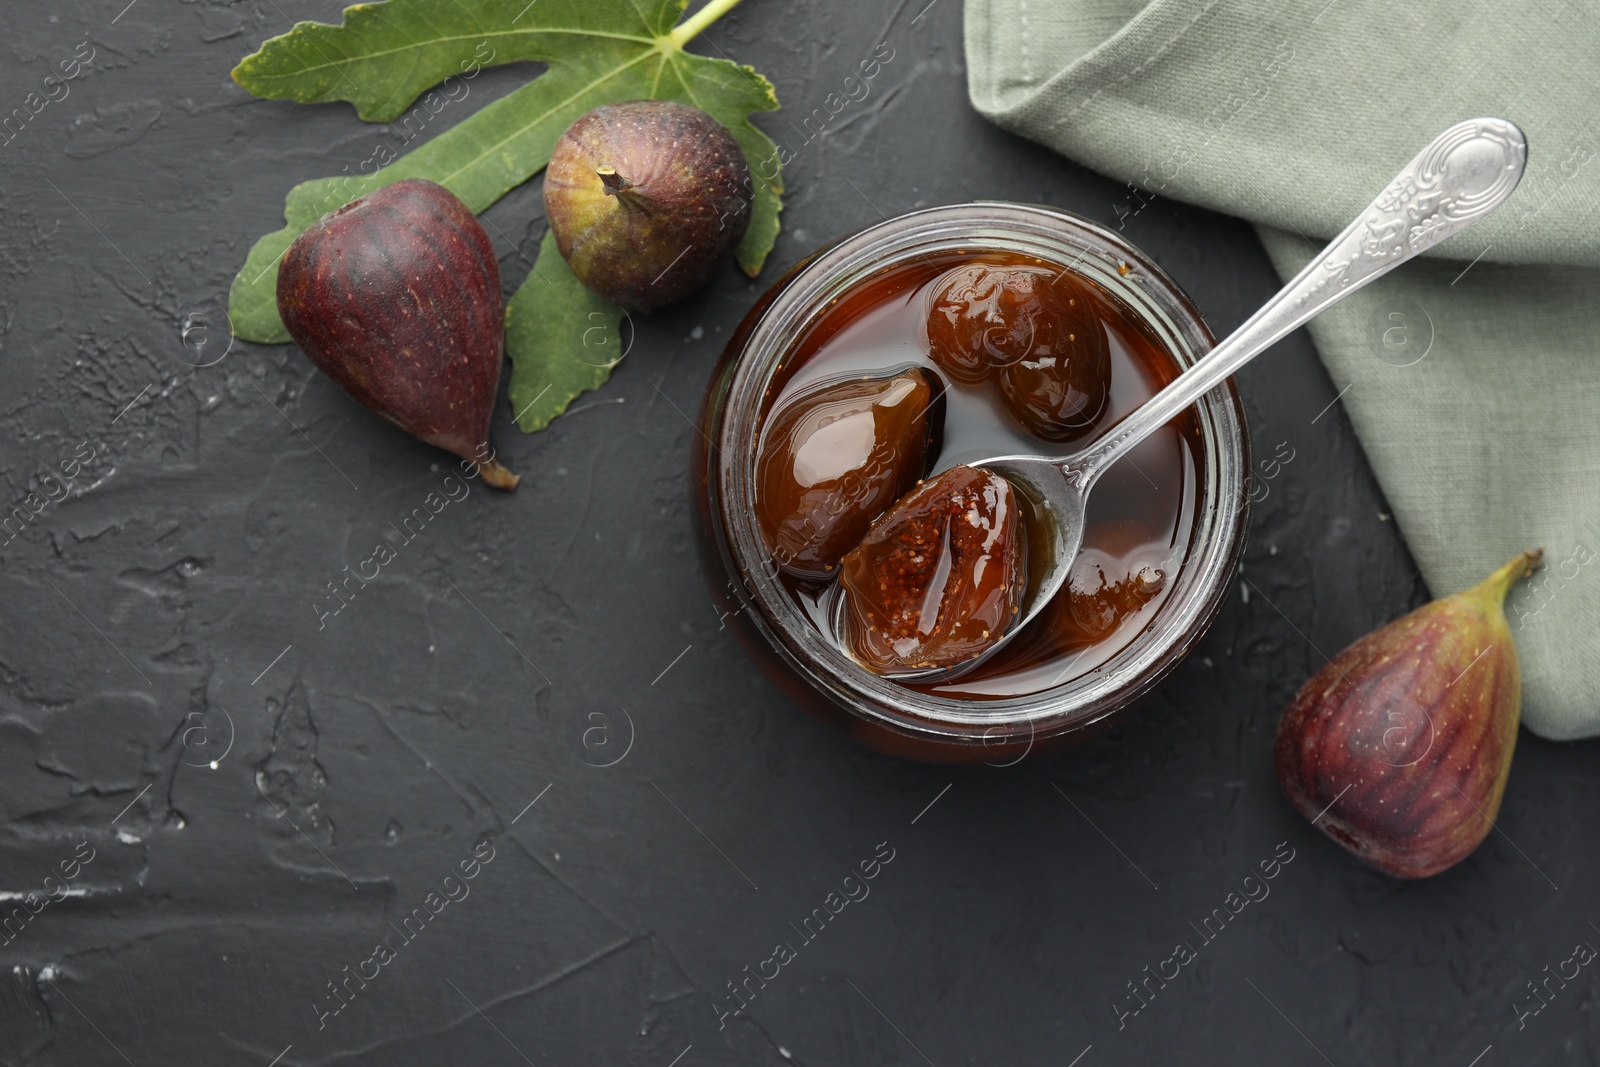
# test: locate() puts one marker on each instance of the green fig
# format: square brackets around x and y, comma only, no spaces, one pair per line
[645,199]
[1399,748]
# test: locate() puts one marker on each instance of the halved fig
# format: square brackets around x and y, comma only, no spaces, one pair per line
[940,577]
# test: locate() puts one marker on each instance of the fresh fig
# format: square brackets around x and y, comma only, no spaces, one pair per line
[396,296]
[1399,748]
[837,457]
[645,198]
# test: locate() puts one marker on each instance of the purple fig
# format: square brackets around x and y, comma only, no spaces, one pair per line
[396,296]
[1399,748]
[645,198]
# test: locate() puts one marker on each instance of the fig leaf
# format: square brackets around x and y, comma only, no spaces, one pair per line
[385,56]
[569,338]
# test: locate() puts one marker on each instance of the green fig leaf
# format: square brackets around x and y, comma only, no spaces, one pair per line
[568,335]
[385,55]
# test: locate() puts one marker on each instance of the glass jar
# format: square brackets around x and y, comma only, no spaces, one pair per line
[803,660]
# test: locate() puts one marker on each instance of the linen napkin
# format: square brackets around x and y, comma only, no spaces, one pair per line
[1472,375]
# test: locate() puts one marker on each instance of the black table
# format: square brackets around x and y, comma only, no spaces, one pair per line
[457,716]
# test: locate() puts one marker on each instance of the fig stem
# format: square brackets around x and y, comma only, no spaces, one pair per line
[1495,587]
[498,476]
[614,182]
[695,25]
[628,194]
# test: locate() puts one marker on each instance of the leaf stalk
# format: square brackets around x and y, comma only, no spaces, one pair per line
[695,25]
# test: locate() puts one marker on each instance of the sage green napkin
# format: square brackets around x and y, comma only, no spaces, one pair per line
[1472,376]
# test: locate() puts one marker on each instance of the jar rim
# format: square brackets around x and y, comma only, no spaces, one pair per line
[770,334]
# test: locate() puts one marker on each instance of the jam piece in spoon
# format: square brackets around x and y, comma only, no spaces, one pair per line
[837,457]
[939,578]
[1034,329]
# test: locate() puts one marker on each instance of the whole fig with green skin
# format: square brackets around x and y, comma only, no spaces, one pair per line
[396,296]
[645,199]
[1399,748]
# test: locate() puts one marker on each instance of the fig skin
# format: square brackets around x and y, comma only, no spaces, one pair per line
[1400,747]
[646,198]
[396,297]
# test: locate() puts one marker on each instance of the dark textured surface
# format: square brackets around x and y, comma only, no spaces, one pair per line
[372,756]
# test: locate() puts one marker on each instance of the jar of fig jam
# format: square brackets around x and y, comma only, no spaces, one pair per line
[1165,525]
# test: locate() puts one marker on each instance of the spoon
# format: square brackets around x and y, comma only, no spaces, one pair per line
[1465,173]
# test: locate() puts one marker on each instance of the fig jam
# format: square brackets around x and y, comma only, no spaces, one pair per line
[1035,331]
[1142,512]
[838,457]
[939,578]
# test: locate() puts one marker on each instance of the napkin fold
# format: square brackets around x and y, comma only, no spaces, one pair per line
[1472,375]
